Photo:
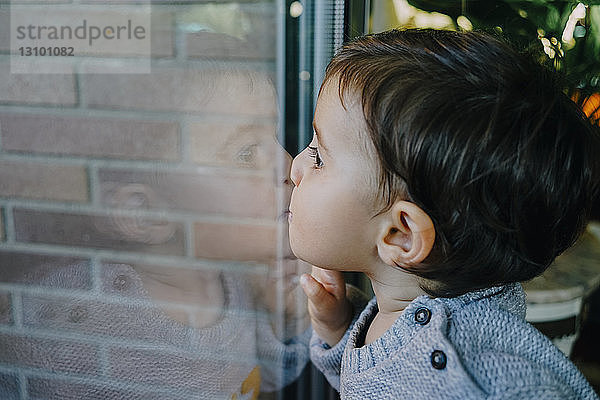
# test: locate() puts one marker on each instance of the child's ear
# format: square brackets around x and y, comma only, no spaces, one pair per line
[407,235]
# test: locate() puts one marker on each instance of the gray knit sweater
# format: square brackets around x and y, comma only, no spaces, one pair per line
[148,355]
[474,346]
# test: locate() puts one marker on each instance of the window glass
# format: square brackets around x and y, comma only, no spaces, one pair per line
[143,191]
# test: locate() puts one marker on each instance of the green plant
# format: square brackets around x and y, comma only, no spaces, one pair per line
[564,34]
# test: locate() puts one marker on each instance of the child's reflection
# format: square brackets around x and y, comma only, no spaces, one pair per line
[247,326]
[182,331]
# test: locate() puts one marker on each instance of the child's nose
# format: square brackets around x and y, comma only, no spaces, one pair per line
[296,171]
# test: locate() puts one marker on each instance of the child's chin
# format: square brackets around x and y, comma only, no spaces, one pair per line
[303,249]
[296,254]
[296,250]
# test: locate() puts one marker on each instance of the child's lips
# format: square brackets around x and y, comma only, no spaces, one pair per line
[287,214]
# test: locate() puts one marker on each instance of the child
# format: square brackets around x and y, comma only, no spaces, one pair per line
[447,168]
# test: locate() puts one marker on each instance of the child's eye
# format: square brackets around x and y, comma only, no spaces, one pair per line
[314,153]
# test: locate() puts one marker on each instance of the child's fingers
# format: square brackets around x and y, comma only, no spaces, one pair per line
[332,281]
[316,293]
[312,288]
[329,316]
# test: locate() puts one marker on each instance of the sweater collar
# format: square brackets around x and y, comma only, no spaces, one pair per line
[360,358]
[510,297]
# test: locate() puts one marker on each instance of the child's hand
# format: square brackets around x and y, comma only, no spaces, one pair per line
[330,311]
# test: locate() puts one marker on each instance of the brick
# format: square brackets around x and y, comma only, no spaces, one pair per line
[253,37]
[92,137]
[235,242]
[230,144]
[155,1]
[183,370]
[51,355]
[162,34]
[43,181]
[36,88]
[94,318]
[202,292]
[45,270]
[219,46]
[9,387]
[231,92]
[263,35]
[35,1]
[100,232]
[203,193]
[63,389]
[4,29]
[5,308]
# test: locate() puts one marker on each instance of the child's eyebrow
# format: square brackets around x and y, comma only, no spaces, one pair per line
[319,137]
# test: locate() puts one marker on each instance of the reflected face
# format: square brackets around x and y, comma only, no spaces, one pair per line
[331,224]
[258,189]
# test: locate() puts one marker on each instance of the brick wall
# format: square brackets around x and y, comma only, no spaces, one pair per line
[178,169]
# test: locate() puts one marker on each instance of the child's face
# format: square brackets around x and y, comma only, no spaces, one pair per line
[331,208]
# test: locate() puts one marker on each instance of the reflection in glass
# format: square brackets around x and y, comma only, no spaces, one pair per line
[144,254]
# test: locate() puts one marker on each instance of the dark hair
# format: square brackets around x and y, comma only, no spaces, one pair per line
[483,139]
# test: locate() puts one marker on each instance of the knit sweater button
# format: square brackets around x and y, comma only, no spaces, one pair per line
[121,282]
[438,359]
[78,314]
[422,316]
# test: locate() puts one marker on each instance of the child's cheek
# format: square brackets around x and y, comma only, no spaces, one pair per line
[304,224]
